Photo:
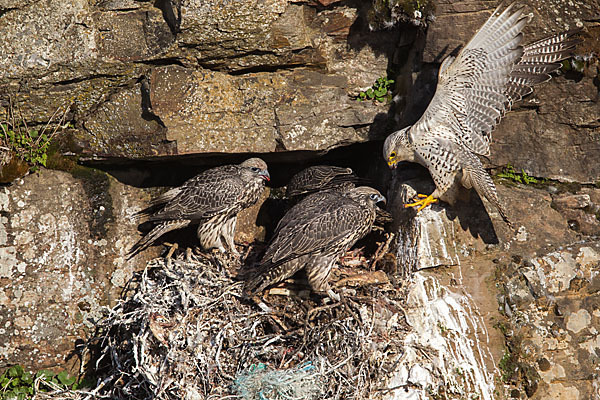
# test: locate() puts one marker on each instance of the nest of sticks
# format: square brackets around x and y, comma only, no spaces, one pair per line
[186,331]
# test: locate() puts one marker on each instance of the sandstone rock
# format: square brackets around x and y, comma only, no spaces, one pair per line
[579,210]
[555,124]
[548,284]
[558,328]
[193,104]
[62,247]
[119,127]
[571,201]
[250,226]
[456,21]
[208,112]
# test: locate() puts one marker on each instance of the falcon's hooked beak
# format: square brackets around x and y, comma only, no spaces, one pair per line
[392,160]
[381,199]
[265,175]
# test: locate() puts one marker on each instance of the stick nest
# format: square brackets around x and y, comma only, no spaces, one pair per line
[186,331]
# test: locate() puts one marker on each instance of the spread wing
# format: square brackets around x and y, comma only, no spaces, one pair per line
[478,86]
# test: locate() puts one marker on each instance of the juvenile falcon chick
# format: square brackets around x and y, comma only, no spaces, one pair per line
[314,234]
[212,200]
[319,177]
[474,91]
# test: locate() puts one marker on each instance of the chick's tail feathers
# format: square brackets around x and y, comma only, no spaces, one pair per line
[154,234]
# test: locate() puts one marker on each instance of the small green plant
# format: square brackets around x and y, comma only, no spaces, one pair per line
[30,145]
[510,173]
[18,384]
[508,366]
[381,91]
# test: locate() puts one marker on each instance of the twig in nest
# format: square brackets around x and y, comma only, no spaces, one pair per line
[319,309]
[382,250]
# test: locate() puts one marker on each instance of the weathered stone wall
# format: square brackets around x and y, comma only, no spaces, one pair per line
[62,257]
[158,80]
[194,77]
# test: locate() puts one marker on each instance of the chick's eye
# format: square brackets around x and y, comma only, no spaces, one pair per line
[393,154]
[255,169]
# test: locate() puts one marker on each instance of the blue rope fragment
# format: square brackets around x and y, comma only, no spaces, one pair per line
[261,383]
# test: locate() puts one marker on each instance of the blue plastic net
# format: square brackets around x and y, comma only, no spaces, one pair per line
[261,383]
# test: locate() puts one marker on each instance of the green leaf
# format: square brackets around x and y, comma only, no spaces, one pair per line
[33,134]
[15,371]
[65,379]
[27,378]
[370,93]
[45,374]
[87,382]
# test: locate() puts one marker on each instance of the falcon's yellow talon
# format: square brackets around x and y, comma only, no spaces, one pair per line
[427,200]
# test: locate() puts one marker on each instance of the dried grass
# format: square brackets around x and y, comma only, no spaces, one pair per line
[186,332]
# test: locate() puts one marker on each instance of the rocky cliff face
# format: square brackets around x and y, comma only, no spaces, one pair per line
[198,83]
[147,79]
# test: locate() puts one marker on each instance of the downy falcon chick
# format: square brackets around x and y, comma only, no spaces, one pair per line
[211,199]
[314,234]
[474,91]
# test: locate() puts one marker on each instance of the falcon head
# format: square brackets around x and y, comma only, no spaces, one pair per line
[397,148]
[255,168]
[366,195]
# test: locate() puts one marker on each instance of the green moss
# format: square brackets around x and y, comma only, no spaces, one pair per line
[514,366]
[511,174]
[18,384]
[508,366]
[14,169]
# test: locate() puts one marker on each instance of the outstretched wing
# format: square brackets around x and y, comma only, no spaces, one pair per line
[539,60]
[493,70]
